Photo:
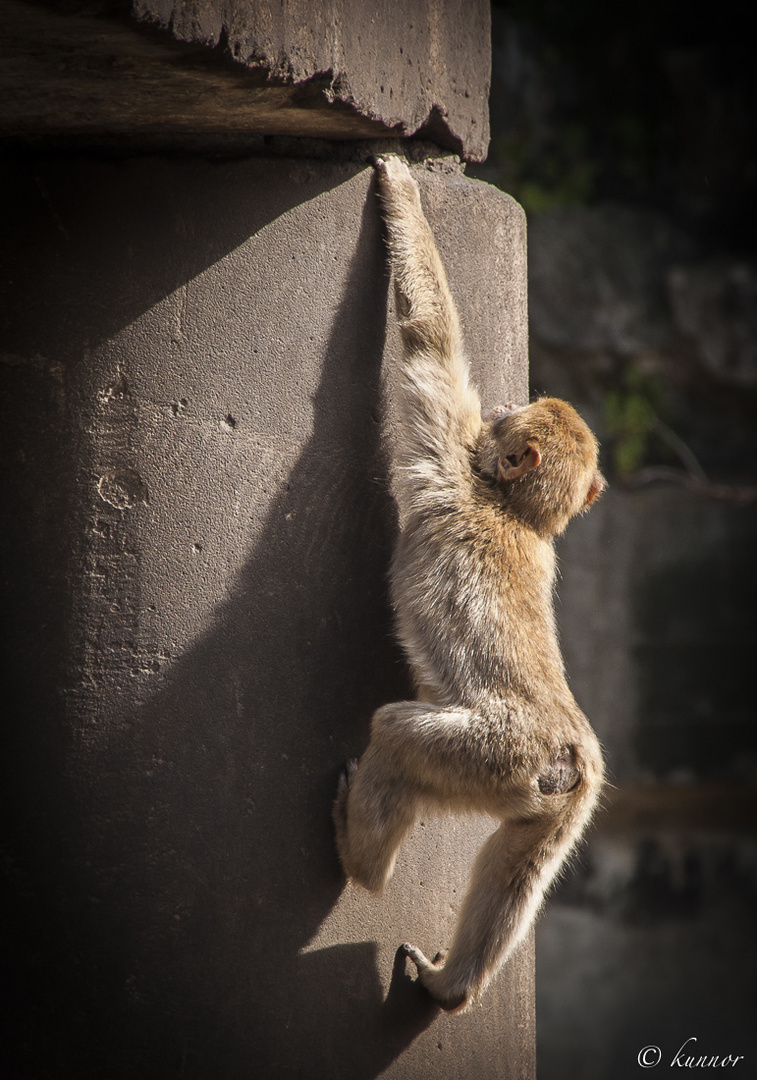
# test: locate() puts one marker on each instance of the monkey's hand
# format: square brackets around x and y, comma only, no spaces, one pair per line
[431,974]
[398,189]
[394,170]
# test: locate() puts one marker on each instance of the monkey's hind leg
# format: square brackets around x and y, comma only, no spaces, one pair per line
[510,876]
[374,810]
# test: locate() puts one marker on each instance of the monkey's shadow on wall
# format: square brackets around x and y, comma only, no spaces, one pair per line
[167,936]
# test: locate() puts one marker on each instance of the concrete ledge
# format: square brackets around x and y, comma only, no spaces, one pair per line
[417,68]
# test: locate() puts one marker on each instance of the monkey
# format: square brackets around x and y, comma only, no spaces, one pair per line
[494,728]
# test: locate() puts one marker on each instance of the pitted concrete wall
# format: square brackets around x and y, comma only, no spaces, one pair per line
[193,559]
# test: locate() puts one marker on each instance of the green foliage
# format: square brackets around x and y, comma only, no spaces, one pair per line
[542,177]
[631,419]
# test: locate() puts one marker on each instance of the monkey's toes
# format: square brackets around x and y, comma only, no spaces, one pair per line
[340,802]
[420,960]
[347,775]
[432,977]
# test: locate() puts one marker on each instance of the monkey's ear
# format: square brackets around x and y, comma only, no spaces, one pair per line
[515,465]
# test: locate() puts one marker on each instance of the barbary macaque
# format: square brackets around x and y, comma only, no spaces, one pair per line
[495,728]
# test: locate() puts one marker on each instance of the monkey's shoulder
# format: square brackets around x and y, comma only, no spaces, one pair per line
[482,533]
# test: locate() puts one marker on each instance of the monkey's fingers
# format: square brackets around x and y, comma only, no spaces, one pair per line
[393,173]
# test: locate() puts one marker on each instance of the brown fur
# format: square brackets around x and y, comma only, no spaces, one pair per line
[495,727]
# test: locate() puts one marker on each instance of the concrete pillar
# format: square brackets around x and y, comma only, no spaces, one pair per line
[193,560]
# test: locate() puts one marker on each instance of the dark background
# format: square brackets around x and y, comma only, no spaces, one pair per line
[628,136]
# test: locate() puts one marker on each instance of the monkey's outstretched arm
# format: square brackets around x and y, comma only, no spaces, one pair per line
[439,412]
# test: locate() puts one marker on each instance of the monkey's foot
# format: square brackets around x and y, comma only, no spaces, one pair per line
[431,975]
[346,776]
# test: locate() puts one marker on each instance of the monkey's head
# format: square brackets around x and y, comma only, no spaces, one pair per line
[543,459]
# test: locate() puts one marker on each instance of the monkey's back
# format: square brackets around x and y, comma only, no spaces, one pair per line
[472,592]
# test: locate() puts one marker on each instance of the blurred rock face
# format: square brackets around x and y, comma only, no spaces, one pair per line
[656,610]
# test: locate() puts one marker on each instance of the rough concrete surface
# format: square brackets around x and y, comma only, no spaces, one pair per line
[412,63]
[193,559]
[342,70]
